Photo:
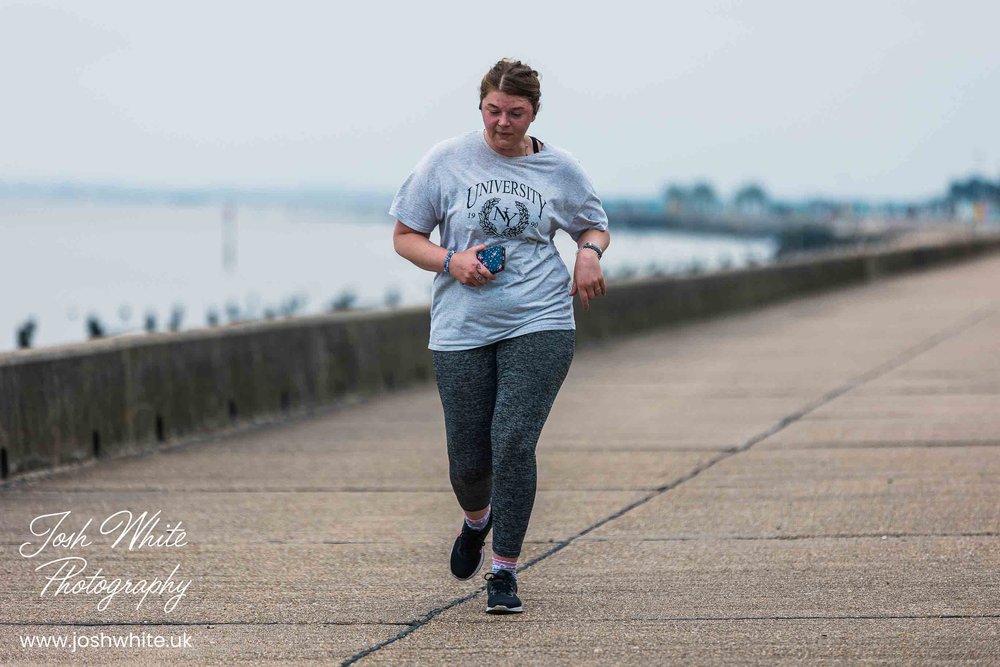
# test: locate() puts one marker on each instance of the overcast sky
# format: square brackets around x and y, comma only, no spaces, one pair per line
[874,99]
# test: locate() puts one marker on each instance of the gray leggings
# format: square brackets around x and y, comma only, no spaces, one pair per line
[496,399]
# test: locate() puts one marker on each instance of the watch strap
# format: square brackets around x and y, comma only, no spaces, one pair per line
[596,248]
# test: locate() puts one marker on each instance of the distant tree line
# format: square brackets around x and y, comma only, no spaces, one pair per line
[752,200]
[975,188]
[702,197]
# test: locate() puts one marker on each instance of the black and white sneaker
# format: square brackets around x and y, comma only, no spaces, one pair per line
[501,591]
[467,552]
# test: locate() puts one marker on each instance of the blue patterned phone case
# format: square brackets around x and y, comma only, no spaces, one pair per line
[493,258]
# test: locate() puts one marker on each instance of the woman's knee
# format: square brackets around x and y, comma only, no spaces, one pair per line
[471,477]
[514,450]
[473,493]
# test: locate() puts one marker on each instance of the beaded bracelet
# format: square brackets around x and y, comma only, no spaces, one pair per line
[447,260]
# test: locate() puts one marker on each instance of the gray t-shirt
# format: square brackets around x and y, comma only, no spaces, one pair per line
[475,195]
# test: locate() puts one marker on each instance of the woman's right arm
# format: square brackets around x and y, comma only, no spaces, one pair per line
[418,248]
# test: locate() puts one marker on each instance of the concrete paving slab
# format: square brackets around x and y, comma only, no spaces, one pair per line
[628,469]
[787,493]
[913,380]
[820,577]
[882,432]
[412,468]
[966,365]
[940,408]
[247,583]
[272,556]
[824,641]
[889,410]
[304,517]
[663,422]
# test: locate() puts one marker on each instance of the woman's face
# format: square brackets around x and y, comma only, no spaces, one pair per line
[506,119]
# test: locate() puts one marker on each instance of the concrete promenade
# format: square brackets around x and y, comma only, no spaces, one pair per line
[816,481]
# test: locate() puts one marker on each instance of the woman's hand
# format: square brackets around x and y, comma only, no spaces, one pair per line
[466,268]
[588,279]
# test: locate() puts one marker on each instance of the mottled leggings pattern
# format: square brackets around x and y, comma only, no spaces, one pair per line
[496,399]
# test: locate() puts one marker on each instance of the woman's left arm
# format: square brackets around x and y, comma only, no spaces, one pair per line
[588,279]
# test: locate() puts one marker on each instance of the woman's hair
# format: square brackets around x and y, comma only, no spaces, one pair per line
[514,78]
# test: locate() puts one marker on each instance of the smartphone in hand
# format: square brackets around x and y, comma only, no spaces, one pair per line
[493,258]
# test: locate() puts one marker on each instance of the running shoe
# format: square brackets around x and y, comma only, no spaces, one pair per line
[467,552]
[501,590]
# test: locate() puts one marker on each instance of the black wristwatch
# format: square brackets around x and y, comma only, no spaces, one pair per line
[593,246]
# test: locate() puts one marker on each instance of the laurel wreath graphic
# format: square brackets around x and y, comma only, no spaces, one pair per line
[524,219]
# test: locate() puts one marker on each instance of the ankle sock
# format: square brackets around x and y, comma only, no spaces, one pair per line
[508,564]
[479,523]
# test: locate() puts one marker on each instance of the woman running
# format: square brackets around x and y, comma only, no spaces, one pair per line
[502,326]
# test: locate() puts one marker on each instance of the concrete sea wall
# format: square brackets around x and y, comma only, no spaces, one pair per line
[110,397]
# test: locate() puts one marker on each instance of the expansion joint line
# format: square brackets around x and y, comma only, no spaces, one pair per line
[876,372]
